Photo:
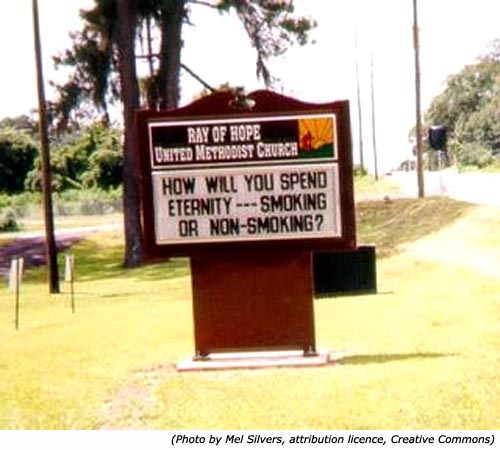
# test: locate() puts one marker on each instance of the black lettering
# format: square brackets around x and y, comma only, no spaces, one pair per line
[225,227]
[280,224]
[199,206]
[234,439]
[303,180]
[178,186]
[188,228]
[293,202]
[259,182]
[223,184]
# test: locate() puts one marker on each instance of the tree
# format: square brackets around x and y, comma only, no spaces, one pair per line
[470,109]
[127,20]
[24,124]
[88,158]
[17,154]
[107,46]
[91,85]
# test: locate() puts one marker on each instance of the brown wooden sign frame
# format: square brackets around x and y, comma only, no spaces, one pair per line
[250,294]
[267,104]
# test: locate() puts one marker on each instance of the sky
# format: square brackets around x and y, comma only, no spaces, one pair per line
[452,34]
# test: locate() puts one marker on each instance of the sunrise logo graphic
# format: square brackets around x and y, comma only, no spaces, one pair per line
[317,137]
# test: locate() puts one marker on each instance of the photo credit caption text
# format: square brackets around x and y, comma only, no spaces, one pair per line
[339,439]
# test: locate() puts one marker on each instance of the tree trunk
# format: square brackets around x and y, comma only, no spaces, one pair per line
[173,12]
[127,20]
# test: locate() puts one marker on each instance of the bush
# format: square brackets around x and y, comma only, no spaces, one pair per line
[360,171]
[105,169]
[17,154]
[91,158]
[67,203]
[25,205]
[8,220]
[88,202]
[475,155]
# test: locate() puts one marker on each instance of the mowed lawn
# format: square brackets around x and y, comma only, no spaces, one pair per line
[420,354]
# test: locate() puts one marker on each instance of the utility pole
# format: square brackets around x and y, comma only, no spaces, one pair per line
[374,134]
[358,94]
[50,242]
[418,124]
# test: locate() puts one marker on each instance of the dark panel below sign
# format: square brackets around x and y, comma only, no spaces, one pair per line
[253,301]
[345,272]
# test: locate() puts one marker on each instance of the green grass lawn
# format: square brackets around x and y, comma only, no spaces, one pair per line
[421,354]
[367,188]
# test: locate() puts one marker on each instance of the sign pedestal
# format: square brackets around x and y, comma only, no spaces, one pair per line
[253,300]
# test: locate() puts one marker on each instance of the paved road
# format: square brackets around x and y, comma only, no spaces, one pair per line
[31,245]
[473,187]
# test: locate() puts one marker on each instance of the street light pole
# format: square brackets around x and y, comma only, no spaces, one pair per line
[416,46]
[50,243]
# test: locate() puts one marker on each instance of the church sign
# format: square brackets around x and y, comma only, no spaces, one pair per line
[239,180]
[248,193]
[245,178]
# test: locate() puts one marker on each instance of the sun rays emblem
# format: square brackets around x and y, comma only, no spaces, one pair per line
[317,137]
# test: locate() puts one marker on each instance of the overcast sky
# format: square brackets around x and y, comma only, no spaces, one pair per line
[453,33]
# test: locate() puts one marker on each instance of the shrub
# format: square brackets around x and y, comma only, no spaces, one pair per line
[17,154]
[91,158]
[474,154]
[8,220]
[88,202]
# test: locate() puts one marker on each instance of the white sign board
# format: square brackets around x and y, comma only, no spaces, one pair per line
[255,178]
[247,203]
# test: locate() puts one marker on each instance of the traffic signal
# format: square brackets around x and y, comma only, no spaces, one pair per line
[437,137]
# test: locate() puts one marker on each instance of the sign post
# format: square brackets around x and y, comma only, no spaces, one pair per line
[248,195]
[69,276]
[15,276]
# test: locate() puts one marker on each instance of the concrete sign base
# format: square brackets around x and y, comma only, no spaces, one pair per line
[254,360]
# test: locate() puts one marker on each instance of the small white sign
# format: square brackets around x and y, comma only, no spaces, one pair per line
[247,203]
[16,273]
[69,268]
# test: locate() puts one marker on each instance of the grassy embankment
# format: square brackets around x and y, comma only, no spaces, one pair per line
[423,353]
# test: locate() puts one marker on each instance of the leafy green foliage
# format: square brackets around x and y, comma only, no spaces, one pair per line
[270,25]
[24,211]
[17,153]
[271,28]
[21,123]
[470,108]
[91,158]
[91,83]
[88,202]
[474,154]
[8,220]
